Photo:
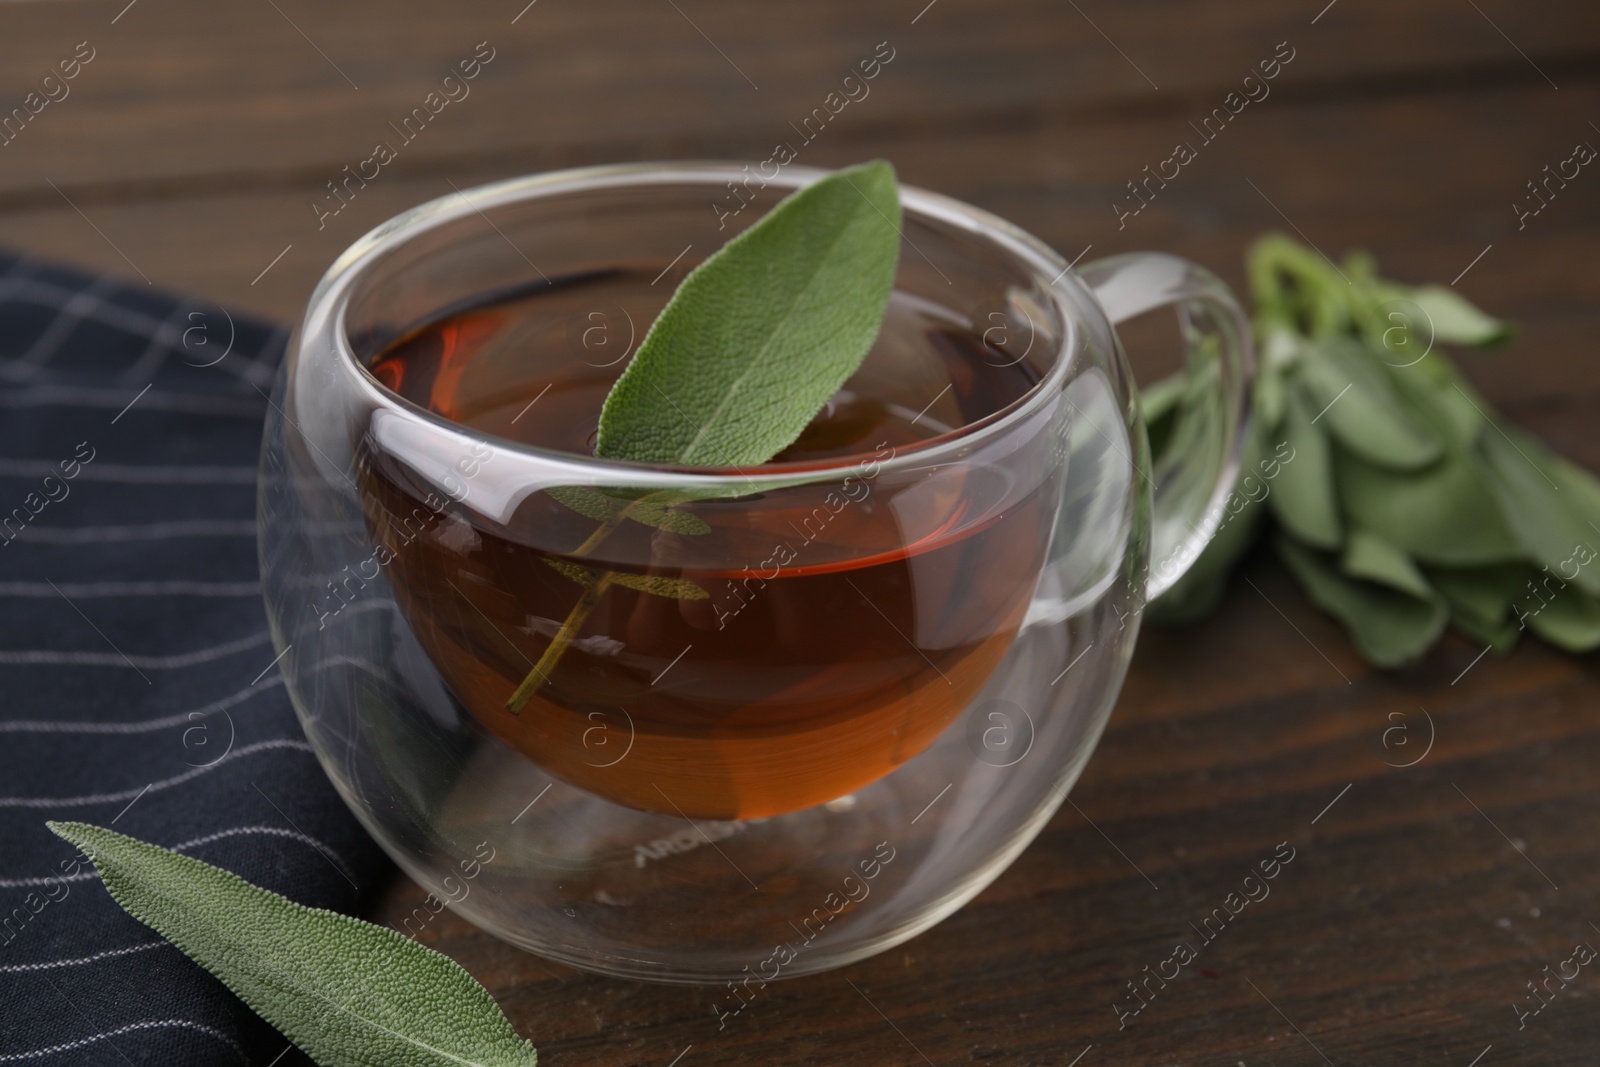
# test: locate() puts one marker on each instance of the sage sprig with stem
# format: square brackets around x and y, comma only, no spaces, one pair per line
[652,509]
[1407,503]
[751,345]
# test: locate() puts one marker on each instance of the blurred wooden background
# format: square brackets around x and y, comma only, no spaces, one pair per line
[191,148]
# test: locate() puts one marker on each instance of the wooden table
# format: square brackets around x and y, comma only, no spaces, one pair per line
[1422,898]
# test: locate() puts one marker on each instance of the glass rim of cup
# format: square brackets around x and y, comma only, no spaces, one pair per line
[326,312]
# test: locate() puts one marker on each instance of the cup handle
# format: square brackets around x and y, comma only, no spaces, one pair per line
[1195,472]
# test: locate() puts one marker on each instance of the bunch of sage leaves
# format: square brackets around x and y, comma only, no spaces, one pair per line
[1398,498]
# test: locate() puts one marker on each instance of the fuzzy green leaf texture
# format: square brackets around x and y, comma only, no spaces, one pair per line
[1389,627]
[764,331]
[348,993]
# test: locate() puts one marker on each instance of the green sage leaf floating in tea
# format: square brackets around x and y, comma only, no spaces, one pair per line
[752,344]
[348,993]
[660,514]
[761,334]
[1409,503]
[587,501]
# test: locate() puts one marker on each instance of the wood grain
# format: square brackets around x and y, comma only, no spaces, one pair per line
[1421,899]
[246,96]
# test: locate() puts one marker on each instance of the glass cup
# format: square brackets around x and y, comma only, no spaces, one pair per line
[717,725]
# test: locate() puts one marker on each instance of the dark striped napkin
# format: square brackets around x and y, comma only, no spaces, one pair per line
[137,683]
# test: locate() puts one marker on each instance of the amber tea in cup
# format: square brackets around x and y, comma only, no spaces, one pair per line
[803,650]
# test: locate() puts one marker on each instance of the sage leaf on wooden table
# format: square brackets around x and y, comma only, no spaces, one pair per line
[1535,508]
[1303,498]
[1362,408]
[1443,514]
[1389,626]
[348,993]
[1480,600]
[1409,503]
[1455,321]
[751,345]
[1368,556]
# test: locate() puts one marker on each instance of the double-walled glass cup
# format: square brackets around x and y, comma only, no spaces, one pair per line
[701,724]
